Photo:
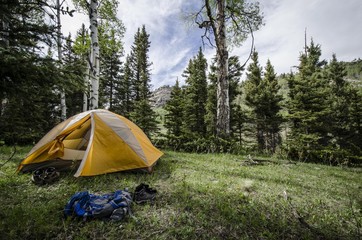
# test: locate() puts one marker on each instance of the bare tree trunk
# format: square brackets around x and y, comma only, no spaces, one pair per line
[223,108]
[86,85]
[63,105]
[93,17]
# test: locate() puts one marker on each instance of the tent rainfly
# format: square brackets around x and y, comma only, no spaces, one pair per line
[98,141]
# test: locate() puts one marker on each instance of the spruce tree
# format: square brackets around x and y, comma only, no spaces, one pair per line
[309,108]
[28,75]
[211,104]
[263,98]
[254,98]
[73,71]
[123,95]
[237,116]
[272,107]
[81,48]
[346,114]
[111,67]
[174,115]
[195,96]
[142,113]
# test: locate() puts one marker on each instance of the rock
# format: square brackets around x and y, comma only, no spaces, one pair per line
[160,96]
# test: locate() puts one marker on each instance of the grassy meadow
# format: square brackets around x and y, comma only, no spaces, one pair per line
[200,196]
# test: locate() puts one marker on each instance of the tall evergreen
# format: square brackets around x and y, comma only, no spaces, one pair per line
[174,115]
[272,107]
[142,113]
[123,95]
[195,95]
[111,67]
[263,98]
[73,71]
[211,104]
[28,75]
[237,116]
[81,48]
[254,98]
[346,114]
[309,107]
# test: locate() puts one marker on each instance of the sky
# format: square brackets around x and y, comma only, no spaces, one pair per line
[334,24]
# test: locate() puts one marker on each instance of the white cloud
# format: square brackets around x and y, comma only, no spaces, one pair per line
[334,24]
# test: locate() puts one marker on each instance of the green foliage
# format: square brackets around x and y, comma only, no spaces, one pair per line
[346,112]
[73,69]
[191,111]
[262,96]
[240,19]
[308,107]
[111,66]
[139,75]
[27,75]
[203,196]
[174,108]
[195,95]
[123,93]
[321,107]
[236,115]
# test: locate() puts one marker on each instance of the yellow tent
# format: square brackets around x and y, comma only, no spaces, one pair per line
[99,140]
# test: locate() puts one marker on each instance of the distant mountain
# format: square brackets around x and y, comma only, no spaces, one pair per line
[160,96]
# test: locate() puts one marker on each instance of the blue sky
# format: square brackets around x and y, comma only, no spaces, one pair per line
[334,24]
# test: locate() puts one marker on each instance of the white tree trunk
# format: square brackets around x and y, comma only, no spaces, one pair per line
[93,18]
[63,105]
[86,85]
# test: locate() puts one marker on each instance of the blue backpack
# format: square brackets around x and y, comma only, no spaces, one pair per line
[84,204]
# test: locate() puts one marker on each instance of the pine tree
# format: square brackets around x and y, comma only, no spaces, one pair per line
[28,76]
[254,98]
[263,98]
[346,114]
[73,73]
[174,115]
[272,108]
[308,106]
[211,104]
[123,95]
[142,113]
[195,96]
[81,48]
[111,70]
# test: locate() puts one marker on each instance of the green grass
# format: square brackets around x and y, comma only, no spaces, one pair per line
[200,196]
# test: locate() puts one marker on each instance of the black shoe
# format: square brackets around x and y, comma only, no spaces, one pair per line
[146,187]
[45,176]
[143,196]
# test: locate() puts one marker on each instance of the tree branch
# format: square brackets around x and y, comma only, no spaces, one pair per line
[252,43]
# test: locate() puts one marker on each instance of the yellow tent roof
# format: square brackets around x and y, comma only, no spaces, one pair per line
[102,141]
